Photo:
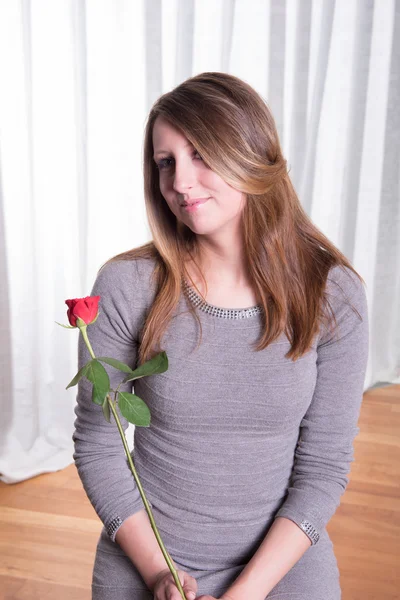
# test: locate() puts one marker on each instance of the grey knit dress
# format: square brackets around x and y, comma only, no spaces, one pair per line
[237,437]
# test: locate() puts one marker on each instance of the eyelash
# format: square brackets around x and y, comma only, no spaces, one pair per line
[161,167]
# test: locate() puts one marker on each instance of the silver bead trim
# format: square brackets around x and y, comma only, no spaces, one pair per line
[310,531]
[113,526]
[216,311]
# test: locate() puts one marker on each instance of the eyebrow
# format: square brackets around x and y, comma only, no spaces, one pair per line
[166,151]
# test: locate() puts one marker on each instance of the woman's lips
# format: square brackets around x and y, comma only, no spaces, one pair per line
[195,205]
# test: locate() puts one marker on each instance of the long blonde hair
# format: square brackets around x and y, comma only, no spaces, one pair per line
[288,257]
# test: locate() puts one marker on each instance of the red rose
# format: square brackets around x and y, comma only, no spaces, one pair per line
[84,308]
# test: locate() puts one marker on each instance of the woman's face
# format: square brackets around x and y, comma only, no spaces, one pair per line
[184,177]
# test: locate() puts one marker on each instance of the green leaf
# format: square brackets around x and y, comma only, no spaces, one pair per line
[80,373]
[134,409]
[106,409]
[157,364]
[97,375]
[65,326]
[116,364]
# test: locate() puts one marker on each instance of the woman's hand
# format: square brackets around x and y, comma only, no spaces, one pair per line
[165,588]
[206,597]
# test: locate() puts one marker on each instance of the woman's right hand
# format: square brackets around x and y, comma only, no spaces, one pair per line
[165,587]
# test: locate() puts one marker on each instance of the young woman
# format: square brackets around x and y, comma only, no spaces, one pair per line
[265,325]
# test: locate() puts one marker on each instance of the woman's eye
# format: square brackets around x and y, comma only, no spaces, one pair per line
[165,163]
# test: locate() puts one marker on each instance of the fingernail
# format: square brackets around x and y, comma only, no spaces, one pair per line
[191,595]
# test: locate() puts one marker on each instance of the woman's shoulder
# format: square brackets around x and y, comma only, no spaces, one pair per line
[344,284]
[134,267]
[127,276]
[346,293]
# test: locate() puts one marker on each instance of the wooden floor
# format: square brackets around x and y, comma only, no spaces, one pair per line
[48,529]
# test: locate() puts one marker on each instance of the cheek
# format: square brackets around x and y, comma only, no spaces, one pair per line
[212,180]
[168,199]
[223,191]
[165,189]
[161,184]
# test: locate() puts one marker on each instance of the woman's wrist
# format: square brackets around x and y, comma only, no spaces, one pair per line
[152,582]
[284,544]
[137,540]
[240,591]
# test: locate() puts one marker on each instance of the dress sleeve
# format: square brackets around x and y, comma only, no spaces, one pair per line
[99,454]
[324,450]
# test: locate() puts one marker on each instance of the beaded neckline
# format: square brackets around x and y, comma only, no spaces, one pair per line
[217,311]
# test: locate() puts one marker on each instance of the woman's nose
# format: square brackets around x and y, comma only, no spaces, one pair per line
[185,175]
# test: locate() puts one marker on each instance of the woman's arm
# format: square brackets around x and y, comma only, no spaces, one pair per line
[325,449]
[284,544]
[136,538]
[99,454]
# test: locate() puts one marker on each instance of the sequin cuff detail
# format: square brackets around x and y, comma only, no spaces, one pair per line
[310,531]
[113,526]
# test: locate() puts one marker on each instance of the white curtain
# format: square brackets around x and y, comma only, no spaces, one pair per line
[77,79]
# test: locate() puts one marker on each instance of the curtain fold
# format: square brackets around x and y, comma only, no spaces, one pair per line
[78,78]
